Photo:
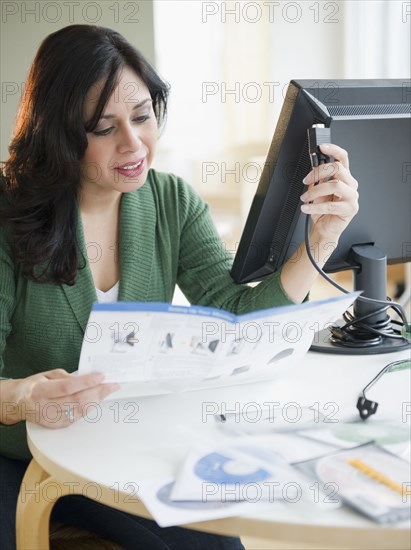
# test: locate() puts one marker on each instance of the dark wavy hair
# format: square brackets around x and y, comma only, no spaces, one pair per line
[41,180]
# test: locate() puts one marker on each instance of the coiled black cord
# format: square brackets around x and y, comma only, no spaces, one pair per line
[356,332]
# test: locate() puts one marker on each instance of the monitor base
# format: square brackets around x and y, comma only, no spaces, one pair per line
[322,343]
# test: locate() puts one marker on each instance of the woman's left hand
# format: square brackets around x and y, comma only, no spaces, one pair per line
[335,198]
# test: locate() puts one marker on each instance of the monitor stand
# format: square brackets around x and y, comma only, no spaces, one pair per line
[370,276]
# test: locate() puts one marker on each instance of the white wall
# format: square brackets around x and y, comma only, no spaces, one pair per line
[252,48]
[378,39]
[229,64]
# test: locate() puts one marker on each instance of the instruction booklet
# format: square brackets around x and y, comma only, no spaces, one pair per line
[181,347]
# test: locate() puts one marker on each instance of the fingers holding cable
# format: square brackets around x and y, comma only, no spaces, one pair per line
[330,197]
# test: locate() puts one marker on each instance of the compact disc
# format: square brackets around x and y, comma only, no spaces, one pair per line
[384,433]
[218,468]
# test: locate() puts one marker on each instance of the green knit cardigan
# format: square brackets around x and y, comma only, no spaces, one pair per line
[166,238]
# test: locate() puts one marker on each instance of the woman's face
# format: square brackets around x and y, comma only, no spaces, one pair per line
[120,149]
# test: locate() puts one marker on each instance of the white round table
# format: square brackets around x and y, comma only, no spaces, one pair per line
[126,438]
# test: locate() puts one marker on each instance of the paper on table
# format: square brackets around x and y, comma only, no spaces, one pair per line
[388,433]
[291,446]
[166,512]
[158,494]
[245,471]
[177,347]
[208,500]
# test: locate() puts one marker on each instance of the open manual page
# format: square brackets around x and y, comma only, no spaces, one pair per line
[178,347]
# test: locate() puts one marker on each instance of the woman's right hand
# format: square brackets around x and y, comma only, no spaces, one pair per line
[53,398]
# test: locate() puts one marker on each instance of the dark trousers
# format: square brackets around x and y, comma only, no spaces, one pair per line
[131,532]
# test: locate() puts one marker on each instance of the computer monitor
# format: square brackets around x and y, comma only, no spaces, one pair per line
[371,119]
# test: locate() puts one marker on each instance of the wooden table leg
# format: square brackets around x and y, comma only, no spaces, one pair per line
[34,507]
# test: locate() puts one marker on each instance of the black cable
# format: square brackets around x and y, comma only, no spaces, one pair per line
[365,406]
[356,333]
[382,372]
[381,328]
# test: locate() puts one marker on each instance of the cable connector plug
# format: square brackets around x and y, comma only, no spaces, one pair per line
[317,135]
[366,407]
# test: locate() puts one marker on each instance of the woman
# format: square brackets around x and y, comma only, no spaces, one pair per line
[84,218]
